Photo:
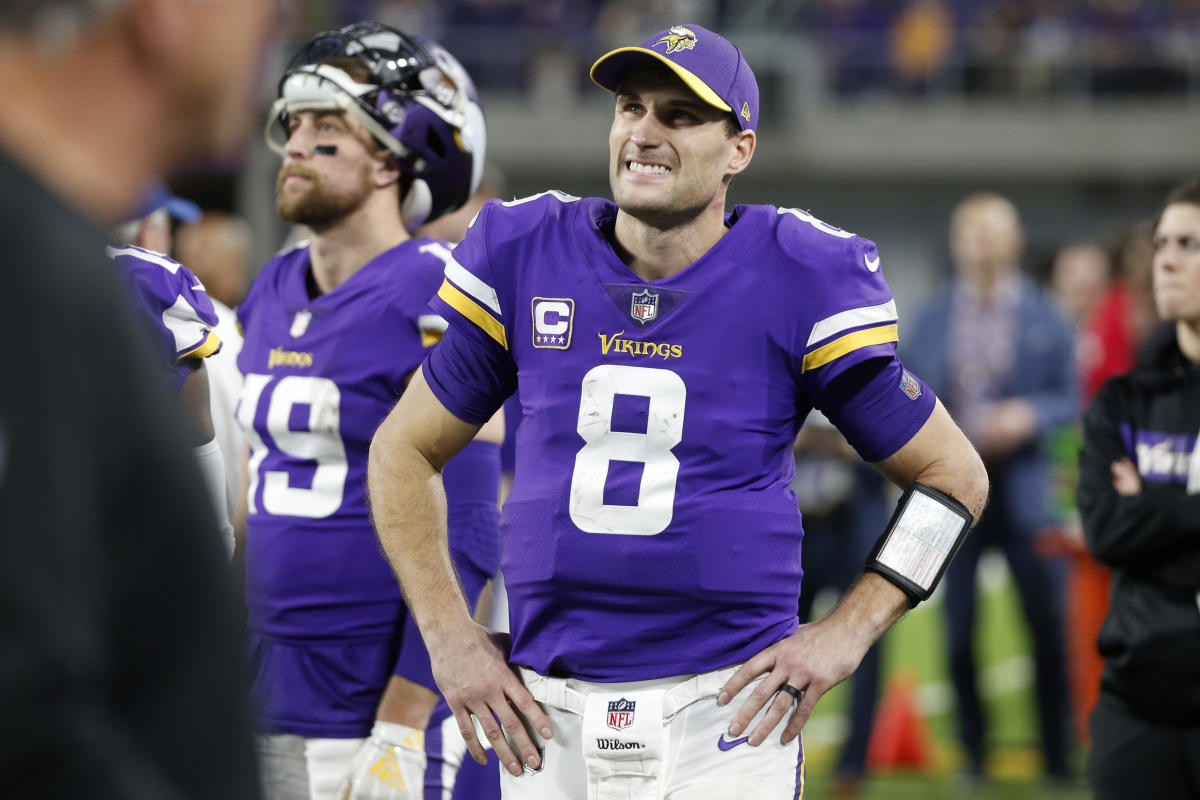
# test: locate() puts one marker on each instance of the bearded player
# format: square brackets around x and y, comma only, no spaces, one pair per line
[379,132]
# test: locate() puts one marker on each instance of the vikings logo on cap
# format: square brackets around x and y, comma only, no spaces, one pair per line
[678,38]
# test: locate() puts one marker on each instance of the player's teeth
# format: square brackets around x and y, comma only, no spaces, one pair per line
[648,169]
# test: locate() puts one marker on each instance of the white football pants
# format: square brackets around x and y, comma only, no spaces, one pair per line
[652,740]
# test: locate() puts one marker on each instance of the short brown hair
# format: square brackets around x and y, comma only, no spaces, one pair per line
[1188,192]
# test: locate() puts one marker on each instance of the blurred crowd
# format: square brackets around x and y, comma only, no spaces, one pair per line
[1026,48]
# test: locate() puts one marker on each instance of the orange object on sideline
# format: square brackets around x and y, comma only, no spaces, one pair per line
[1086,606]
[1087,594]
[900,737]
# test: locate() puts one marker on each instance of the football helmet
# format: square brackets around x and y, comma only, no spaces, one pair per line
[418,102]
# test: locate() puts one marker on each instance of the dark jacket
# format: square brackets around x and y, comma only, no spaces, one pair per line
[120,655]
[1151,637]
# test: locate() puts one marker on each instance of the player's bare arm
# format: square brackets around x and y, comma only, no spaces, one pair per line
[822,654]
[409,508]
[405,701]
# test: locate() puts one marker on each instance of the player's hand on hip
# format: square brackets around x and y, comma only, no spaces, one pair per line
[473,673]
[798,671]
[390,765]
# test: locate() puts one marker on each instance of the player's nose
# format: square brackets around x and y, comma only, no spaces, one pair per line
[646,131]
[300,143]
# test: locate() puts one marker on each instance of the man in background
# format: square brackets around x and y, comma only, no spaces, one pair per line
[118,647]
[993,345]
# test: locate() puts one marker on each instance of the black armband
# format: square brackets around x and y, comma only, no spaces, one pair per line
[922,537]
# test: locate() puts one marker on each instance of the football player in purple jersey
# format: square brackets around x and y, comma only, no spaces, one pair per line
[665,354]
[181,321]
[379,132]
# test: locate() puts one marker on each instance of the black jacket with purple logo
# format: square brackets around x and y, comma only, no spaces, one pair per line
[1151,637]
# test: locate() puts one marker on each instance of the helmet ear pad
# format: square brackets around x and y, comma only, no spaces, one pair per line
[442,171]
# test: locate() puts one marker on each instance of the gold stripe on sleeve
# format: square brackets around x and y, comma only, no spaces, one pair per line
[204,349]
[472,311]
[849,343]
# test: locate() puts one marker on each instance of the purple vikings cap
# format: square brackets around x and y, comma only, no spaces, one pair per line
[710,65]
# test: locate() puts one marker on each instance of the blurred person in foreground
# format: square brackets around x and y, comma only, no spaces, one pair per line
[1139,497]
[651,542]
[993,344]
[119,653]
[380,131]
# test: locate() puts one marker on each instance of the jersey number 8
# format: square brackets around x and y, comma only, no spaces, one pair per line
[664,429]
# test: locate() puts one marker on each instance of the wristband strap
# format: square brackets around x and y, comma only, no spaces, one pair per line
[926,530]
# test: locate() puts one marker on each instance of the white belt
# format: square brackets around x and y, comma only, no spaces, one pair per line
[570,694]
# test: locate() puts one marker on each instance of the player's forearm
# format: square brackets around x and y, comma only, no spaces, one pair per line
[941,457]
[871,606]
[406,703]
[408,506]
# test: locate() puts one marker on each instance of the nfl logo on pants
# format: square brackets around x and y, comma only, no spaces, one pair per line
[620,713]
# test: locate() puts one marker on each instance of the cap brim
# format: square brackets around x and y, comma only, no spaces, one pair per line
[158,196]
[183,210]
[610,69]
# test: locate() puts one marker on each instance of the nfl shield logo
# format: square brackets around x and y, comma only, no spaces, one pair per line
[644,306]
[620,713]
[300,323]
[910,386]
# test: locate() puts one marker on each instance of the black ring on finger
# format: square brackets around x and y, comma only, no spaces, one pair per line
[793,691]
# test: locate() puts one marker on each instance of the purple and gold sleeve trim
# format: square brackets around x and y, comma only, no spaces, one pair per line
[209,346]
[475,300]
[464,304]
[432,328]
[844,345]
[847,331]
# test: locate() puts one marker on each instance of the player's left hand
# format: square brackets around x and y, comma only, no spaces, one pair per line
[390,765]
[814,659]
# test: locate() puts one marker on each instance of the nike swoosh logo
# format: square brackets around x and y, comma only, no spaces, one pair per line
[725,744]
[872,263]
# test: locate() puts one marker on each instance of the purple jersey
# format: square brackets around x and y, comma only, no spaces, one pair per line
[650,530]
[174,304]
[320,375]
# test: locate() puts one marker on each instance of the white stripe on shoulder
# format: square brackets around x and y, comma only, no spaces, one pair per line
[562,197]
[432,322]
[458,275]
[438,249]
[852,318]
[291,247]
[145,255]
